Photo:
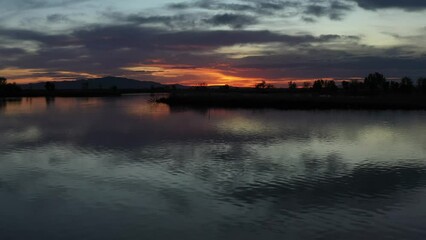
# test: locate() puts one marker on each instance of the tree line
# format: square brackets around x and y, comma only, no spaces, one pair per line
[6,87]
[373,83]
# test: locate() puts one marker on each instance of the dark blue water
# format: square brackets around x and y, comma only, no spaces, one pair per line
[124,168]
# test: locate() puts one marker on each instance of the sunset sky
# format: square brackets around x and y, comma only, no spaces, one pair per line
[238,42]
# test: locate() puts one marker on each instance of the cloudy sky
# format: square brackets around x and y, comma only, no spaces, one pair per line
[236,42]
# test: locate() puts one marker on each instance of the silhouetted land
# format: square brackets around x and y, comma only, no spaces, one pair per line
[375,92]
[96,87]
[286,100]
[78,93]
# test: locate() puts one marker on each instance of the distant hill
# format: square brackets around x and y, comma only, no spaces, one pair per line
[100,83]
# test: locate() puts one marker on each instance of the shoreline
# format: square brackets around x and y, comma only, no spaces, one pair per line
[74,93]
[251,100]
[287,101]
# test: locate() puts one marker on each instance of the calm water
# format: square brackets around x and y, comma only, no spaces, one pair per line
[127,169]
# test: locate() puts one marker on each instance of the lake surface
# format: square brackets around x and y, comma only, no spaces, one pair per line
[123,168]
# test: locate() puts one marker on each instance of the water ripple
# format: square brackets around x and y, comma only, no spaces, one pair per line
[126,170]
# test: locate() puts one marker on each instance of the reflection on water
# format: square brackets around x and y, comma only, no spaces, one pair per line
[123,168]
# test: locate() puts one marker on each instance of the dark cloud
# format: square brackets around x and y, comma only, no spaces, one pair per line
[169,21]
[37,4]
[107,49]
[125,36]
[19,34]
[10,52]
[29,35]
[322,63]
[212,5]
[179,6]
[309,19]
[316,7]
[411,5]
[339,9]
[275,5]
[316,10]
[232,20]
[253,6]
[187,21]
[177,21]
[334,10]
[57,18]
[217,39]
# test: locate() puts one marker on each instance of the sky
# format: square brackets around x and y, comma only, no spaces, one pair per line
[235,42]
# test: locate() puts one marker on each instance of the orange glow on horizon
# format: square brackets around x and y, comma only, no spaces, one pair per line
[219,75]
[24,76]
[192,76]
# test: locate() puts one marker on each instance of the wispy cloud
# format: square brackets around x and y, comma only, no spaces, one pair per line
[410,5]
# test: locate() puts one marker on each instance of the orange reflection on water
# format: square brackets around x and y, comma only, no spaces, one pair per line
[22,106]
[147,109]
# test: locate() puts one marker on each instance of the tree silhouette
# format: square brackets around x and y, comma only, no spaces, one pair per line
[421,84]
[226,87]
[3,81]
[263,85]
[200,87]
[355,86]
[376,81]
[406,85]
[318,85]
[307,85]
[292,85]
[330,86]
[270,86]
[49,86]
[346,85]
[394,86]
[8,87]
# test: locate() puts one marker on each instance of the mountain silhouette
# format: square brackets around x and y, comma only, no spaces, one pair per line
[100,83]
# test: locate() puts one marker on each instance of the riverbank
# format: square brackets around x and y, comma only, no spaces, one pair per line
[61,93]
[77,93]
[294,101]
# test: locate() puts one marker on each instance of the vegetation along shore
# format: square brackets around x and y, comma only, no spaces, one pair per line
[374,92]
